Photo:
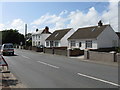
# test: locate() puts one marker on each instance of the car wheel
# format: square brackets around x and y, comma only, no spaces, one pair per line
[3,54]
[12,53]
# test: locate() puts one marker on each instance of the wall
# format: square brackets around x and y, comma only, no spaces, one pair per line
[48,50]
[60,52]
[105,39]
[43,38]
[36,39]
[64,41]
[56,50]
[118,58]
[100,56]
[83,44]
[76,52]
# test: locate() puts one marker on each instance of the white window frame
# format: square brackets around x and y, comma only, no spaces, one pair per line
[56,44]
[47,43]
[72,43]
[89,44]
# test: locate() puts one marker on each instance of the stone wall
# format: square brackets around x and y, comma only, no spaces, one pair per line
[101,56]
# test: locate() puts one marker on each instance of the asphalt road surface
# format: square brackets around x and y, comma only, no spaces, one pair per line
[39,70]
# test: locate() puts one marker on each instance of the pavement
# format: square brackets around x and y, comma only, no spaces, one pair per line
[38,70]
[81,58]
[9,81]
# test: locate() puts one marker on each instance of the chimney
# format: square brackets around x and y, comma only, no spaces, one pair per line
[46,30]
[100,23]
[36,29]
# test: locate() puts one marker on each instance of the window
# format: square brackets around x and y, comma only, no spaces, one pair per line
[36,37]
[47,43]
[72,43]
[89,44]
[56,43]
[80,44]
[51,43]
[39,36]
[36,43]
[39,43]
[33,43]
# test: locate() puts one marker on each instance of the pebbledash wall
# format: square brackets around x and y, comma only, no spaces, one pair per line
[102,56]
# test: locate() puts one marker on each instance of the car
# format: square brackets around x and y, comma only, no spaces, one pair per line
[7,48]
[40,46]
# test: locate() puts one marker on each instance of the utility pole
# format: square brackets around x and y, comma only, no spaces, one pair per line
[25,33]
[25,30]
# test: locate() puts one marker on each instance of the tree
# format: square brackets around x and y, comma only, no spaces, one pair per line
[12,36]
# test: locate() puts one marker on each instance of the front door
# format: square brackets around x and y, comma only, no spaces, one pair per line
[51,43]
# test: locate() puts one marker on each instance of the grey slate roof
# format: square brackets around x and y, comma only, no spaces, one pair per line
[88,32]
[58,34]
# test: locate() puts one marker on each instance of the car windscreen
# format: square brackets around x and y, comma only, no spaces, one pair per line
[8,46]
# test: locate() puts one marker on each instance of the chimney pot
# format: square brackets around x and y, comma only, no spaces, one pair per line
[100,23]
[36,29]
[46,29]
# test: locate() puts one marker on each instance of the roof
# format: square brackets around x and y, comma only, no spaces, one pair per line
[118,33]
[58,34]
[38,32]
[88,32]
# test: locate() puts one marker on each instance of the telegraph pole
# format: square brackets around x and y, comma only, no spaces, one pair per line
[25,30]
[25,33]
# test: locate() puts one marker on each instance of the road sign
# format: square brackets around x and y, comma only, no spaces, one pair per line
[2,61]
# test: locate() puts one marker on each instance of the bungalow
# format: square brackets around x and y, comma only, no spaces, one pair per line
[118,33]
[59,38]
[39,37]
[94,37]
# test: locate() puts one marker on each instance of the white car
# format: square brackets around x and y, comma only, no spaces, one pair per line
[7,49]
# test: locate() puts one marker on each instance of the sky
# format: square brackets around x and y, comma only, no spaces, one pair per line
[57,15]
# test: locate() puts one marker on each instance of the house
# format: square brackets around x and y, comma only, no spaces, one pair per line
[118,33]
[94,37]
[59,38]
[39,37]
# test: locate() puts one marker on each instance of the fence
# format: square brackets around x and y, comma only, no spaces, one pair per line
[101,56]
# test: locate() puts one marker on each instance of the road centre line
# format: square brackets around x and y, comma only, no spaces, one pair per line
[25,56]
[101,80]
[48,64]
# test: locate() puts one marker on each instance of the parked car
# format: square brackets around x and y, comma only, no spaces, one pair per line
[7,49]
[40,46]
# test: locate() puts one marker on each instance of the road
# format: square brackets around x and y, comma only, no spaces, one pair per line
[39,70]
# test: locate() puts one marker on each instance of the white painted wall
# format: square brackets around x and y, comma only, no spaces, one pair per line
[36,39]
[43,38]
[106,38]
[64,41]
[83,44]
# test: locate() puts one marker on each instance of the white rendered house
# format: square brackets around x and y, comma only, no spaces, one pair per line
[59,38]
[94,37]
[39,37]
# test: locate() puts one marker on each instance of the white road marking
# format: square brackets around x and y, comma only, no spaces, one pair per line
[98,79]
[48,64]
[25,56]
